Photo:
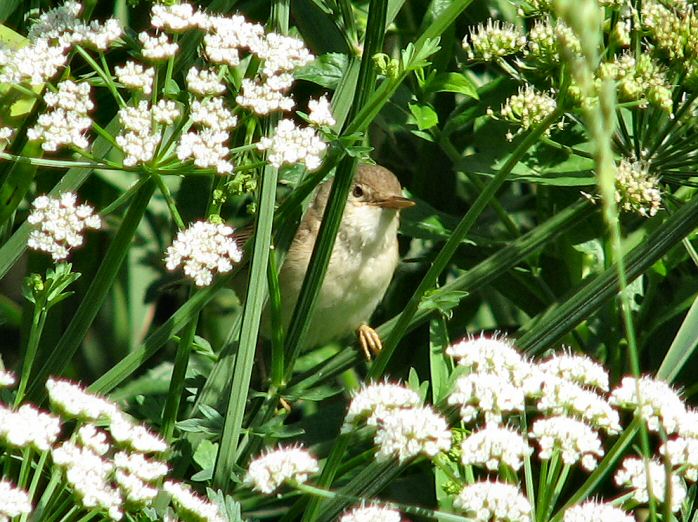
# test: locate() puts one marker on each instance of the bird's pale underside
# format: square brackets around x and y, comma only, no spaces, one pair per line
[363,260]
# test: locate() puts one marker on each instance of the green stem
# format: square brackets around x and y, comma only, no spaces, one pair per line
[449,249]
[251,315]
[169,200]
[179,371]
[37,327]
[329,471]
[277,338]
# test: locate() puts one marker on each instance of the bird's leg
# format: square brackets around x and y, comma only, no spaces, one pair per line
[369,340]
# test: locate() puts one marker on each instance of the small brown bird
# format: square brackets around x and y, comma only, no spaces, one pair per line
[363,260]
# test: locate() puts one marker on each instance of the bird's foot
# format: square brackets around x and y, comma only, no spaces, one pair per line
[369,340]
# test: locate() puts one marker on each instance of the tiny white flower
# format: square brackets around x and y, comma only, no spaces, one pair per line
[371,514]
[157,47]
[688,424]
[165,112]
[321,112]
[204,82]
[59,224]
[7,379]
[139,466]
[405,433]
[576,368]
[135,436]
[633,474]
[191,503]
[659,405]
[494,445]
[486,394]
[291,144]
[591,511]
[373,402]
[136,76]
[73,401]
[13,501]
[485,501]
[93,438]
[268,472]
[572,438]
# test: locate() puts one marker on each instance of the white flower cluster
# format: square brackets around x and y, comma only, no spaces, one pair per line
[321,113]
[291,144]
[372,404]
[207,146]
[263,99]
[28,426]
[135,76]
[204,82]
[140,134]
[13,501]
[7,379]
[633,474]
[59,224]
[371,514]
[561,396]
[404,434]
[485,501]
[50,39]
[639,79]
[494,445]
[157,48]
[527,109]
[637,190]
[590,511]
[268,472]
[494,40]
[66,121]
[191,503]
[577,369]
[175,17]
[203,249]
[658,404]
[404,428]
[573,439]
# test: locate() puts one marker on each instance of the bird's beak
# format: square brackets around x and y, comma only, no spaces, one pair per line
[396,202]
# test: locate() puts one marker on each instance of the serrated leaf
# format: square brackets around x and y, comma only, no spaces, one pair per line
[452,82]
[326,70]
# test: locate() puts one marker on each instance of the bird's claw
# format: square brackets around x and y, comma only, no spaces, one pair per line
[369,340]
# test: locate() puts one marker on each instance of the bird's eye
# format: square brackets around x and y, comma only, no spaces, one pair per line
[357,192]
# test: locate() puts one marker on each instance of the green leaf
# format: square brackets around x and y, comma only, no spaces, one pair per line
[682,347]
[452,82]
[442,302]
[205,454]
[424,115]
[326,70]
